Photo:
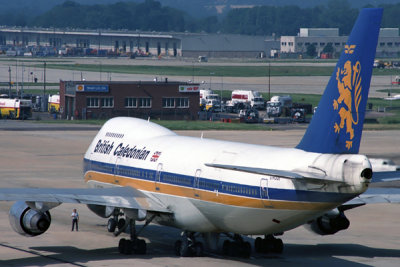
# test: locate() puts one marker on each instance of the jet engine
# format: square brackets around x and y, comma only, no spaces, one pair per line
[329,223]
[27,221]
[101,211]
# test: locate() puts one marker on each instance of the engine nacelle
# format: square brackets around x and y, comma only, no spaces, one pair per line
[27,221]
[101,211]
[329,224]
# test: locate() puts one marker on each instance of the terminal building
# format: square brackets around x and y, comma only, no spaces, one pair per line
[388,43]
[102,100]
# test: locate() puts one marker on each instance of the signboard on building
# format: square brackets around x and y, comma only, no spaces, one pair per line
[189,88]
[98,88]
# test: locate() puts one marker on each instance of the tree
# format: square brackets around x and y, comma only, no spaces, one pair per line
[311,50]
[328,48]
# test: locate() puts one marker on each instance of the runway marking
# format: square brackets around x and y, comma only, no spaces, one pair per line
[41,255]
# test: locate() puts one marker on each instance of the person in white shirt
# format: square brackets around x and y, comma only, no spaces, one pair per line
[75,219]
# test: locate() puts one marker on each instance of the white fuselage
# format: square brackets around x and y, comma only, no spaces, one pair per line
[171,170]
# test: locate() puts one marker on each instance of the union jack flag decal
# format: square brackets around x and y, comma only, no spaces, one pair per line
[155,156]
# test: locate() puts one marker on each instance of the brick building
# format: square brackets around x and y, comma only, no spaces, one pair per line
[102,100]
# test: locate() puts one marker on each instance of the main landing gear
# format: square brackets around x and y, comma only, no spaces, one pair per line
[134,244]
[188,246]
[114,222]
[268,244]
[236,248]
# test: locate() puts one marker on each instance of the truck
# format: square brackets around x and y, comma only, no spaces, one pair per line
[54,104]
[253,98]
[15,108]
[209,100]
[279,105]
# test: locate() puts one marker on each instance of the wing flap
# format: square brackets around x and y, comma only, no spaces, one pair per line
[122,197]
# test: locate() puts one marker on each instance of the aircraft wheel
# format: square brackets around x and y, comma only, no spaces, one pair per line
[246,247]
[178,244]
[233,249]
[121,245]
[141,247]
[181,249]
[199,250]
[226,246]
[258,244]
[111,225]
[184,250]
[121,223]
[278,246]
[128,247]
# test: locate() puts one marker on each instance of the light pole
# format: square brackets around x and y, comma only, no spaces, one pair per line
[100,68]
[22,84]
[44,79]
[9,81]
[211,73]
[269,80]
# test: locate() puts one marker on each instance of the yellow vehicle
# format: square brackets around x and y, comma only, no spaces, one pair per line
[15,108]
[54,103]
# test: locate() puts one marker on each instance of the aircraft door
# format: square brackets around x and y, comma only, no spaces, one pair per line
[88,167]
[264,192]
[158,176]
[116,171]
[196,183]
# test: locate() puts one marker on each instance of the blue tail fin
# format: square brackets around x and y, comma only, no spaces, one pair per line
[337,124]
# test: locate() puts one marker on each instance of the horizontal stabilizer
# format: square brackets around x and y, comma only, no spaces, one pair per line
[121,197]
[306,176]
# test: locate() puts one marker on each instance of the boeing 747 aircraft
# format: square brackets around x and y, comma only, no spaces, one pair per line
[139,171]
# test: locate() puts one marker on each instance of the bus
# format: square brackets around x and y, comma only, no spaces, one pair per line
[15,108]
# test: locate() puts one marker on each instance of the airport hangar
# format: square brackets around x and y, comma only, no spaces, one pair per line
[192,45]
[189,45]
[151,99]
[294,46]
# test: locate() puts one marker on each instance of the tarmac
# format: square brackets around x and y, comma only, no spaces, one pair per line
[41,156]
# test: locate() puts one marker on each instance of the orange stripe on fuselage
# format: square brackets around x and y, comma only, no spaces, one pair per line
[216,197]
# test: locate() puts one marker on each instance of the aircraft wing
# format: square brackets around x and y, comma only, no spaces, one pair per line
[376,195]
[121,197]
[307,176]
[386,176]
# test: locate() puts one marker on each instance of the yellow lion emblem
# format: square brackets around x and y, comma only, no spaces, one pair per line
[349,86]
